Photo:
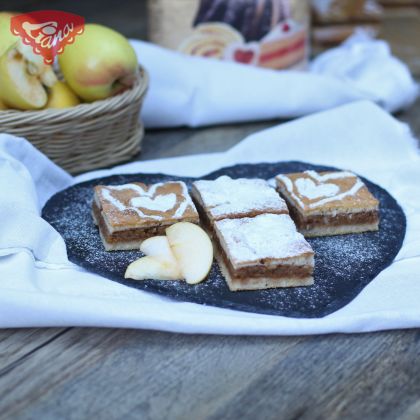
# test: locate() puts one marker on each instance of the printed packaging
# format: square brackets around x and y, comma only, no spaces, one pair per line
[266,33]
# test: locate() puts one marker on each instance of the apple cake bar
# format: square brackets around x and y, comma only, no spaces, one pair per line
[257,244]
[230,198]
[128,214]
[264,251]
[329,203]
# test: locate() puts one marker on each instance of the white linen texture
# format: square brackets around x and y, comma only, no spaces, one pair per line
[195,91]
[40,288]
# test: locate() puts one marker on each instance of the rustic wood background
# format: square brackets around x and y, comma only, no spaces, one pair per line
[76,373]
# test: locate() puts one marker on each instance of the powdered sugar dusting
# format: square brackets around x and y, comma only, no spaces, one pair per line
[264,236]
[158,203]
[309,189]
[320,192]
[186,203]
[147,199]
[227,196]
[330,175]
[353,190]
[343,264]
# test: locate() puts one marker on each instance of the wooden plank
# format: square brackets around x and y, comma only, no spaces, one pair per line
[150,375]
[16,344]
[130,371]
[185,141]
[403,34]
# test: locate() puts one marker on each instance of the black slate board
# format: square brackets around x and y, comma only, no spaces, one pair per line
[344,264]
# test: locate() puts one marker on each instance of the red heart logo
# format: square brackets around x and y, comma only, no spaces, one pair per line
[243,56]
[47,31]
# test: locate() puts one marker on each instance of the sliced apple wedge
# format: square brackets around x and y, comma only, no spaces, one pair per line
[159,247]
[20,86]
[193,250]
[159,262]
[35,65]
[150,268]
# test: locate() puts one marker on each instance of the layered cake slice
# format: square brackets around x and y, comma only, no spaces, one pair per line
[329,203]
[284,47]
[235,198]
[128,214]
[263,252]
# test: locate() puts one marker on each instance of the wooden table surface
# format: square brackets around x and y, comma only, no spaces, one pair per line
[84,373]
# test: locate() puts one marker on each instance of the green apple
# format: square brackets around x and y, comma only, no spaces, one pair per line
[6,36]
[61,96]
[23,81]
[99,64]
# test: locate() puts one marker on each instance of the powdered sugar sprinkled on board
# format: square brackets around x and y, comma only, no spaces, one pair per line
[343,264]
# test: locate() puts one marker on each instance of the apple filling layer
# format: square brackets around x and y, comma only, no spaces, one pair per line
[128,234]
[261,270]
[307,223]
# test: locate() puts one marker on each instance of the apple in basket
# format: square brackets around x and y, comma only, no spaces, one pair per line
[61,96]
[24,78]
[99,64]
[7,39]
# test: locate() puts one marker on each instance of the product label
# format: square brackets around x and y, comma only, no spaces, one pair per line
[47,31]
[257,32]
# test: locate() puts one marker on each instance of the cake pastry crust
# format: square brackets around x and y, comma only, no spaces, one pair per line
[329,203]
[130,213]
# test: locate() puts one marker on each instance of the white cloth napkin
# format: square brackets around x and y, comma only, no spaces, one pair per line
[38,287]
[196,91]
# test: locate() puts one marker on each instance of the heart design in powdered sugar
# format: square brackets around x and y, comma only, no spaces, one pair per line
[159,203]
[148,200]
[307,188]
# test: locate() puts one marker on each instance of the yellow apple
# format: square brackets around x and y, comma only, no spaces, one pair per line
[99,64]
[22,80]
[61,96]
[3,106]
[6,36]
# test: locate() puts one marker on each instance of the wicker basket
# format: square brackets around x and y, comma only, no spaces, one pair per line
[87,136]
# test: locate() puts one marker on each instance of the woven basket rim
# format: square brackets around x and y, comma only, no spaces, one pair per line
[114,102]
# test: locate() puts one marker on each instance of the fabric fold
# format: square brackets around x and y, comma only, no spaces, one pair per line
[195,91]
[27,180]
[359,136]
